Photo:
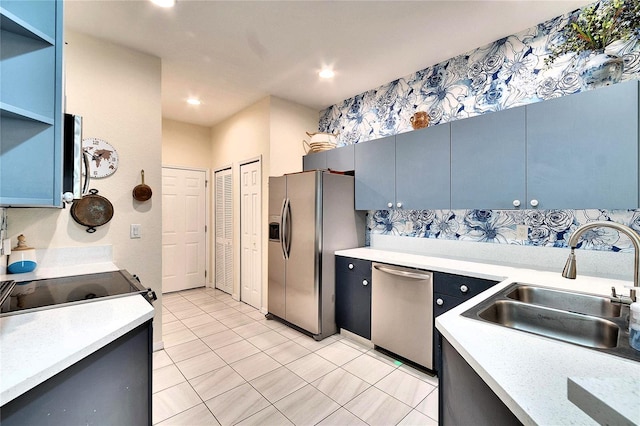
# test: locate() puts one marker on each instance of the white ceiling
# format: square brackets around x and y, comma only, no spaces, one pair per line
[231,54]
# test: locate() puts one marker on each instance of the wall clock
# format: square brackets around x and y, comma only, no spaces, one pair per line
[103,157]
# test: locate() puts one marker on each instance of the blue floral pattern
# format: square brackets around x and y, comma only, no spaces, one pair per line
[507,73]
[548,228]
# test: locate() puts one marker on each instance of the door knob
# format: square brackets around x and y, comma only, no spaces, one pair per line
[351,266]
[399,205]
[516,203]
[439,302]
[365,282]
[390,205]
[534,203]
[464,288]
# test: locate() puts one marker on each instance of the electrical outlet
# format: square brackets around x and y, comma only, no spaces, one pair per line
[522,232]
[135,231]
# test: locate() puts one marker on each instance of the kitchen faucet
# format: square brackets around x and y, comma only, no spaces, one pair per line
[569,270]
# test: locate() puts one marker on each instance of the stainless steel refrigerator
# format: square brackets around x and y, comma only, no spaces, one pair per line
[311,215]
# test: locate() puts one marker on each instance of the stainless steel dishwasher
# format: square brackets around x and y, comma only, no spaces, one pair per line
[402,312]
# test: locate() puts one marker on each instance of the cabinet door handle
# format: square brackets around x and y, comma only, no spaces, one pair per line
[516,203]
[365,282]
[351,266]
[439,302]
[464,288]
[390,205]
[534,203]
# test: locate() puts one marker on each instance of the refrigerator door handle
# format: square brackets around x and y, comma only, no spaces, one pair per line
[287,228]
[283,223]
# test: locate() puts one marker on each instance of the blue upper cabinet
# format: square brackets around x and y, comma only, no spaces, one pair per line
[575,152]
[582,150]
[31,103]
[375,165]
[340,159]
[423,168]
[488,161]
[314,161]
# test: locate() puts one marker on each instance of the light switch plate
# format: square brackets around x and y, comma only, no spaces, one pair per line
[135,231]
[6,247]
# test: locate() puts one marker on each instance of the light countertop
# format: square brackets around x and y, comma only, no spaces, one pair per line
[35,346]
[593,395]
[529,373]
[61,271]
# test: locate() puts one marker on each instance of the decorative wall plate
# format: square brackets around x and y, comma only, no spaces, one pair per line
[103,157]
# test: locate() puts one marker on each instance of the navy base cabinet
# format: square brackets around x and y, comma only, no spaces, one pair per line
[450,290]
[353,295]
[464,398]
[111,386]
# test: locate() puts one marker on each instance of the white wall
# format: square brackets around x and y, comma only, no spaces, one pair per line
[117,91]
[272,129]
[289,122]
[185,144]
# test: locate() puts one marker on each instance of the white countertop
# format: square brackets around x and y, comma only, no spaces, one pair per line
[61,271]
[593,395]
[529,373]
[35,346]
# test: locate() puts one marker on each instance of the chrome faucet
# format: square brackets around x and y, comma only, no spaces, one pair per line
[569,270]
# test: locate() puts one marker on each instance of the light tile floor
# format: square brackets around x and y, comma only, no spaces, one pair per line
[224,363]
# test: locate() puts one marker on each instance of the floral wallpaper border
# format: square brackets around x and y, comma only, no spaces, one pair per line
[550,228]
[507,73]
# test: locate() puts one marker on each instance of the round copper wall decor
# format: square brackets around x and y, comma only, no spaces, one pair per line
[92,210]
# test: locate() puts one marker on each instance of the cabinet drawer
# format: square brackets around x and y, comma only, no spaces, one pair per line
[460,286]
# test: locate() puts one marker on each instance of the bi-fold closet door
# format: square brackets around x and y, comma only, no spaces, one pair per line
[224,230]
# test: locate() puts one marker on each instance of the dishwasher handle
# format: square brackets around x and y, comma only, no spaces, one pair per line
[404,274]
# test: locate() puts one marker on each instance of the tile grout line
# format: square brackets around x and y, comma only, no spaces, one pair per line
[289,339]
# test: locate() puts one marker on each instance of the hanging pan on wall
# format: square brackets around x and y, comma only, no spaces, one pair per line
[92,210]
[142,192]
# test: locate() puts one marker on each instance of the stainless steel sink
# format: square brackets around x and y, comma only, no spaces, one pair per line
[578,318]
[574,302]
[562,325]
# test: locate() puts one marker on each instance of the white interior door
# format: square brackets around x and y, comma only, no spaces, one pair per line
[224,230]
[250,240]
[183,229]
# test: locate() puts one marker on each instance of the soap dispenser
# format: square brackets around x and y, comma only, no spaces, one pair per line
[22,258]
[634,326]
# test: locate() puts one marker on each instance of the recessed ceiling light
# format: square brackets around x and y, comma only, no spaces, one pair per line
[193,101]
[326,73]
[164,3]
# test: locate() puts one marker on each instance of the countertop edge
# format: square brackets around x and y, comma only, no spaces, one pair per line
[587,394]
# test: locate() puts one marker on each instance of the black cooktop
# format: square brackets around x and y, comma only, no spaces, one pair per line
[31,295]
